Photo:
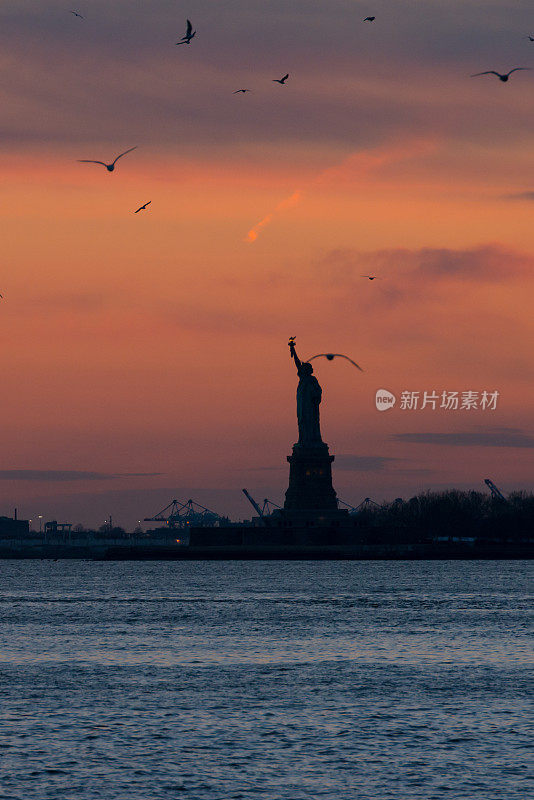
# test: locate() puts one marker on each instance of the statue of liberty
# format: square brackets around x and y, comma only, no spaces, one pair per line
[309,394]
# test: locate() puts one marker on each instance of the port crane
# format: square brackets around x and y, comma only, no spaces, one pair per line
[269,506]
[367,503]
[495,492]
[182,515]
[265,510]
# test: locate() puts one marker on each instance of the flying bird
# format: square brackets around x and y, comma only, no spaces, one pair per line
[530,37]
[241,90]
[371,277]
[189,33]
[77,15]
[369,19]
[141,208]
[109,167]
[281,80]
[331,356]
[500,76]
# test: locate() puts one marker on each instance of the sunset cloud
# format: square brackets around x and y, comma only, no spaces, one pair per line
[489,262]
[75,79]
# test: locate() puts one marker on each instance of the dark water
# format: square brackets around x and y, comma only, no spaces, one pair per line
[270,680]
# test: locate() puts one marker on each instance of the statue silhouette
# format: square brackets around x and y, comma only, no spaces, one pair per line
[309,395]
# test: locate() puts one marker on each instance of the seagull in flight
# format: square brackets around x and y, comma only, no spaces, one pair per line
[241,90]
[281,80]
[502,77]
[141,208]
[109,167]
[331,356]
[371,277]
[189,33]
[77,15]
[369,19]
[530,37]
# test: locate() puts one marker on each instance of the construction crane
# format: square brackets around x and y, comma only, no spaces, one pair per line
[495,492]
[182,515]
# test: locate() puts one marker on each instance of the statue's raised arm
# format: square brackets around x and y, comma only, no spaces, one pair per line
[293,352]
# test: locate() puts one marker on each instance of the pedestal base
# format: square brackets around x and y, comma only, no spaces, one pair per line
[310,480]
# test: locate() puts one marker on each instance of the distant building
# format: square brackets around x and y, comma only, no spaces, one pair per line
[57,527]
[11,526]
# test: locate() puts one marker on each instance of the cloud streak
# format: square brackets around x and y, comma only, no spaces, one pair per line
[353,166]
[289,202]
[525,196]
[497,437]
[60,476]
[354,463]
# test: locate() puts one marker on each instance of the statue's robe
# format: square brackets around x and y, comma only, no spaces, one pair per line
[309,394]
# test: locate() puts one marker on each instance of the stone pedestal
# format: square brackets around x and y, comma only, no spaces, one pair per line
[310,480]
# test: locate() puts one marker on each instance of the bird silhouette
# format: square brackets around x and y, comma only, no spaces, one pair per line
[530,37]
[281,80]
[241,90]
[141,208]
[189,33]
[331,356]
[369,19]
[502,77]
[371,277]
[77,15]
[109,167]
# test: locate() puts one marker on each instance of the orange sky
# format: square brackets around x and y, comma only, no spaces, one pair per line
[157,342]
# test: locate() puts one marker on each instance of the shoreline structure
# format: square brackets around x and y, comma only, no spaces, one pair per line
[311,524]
